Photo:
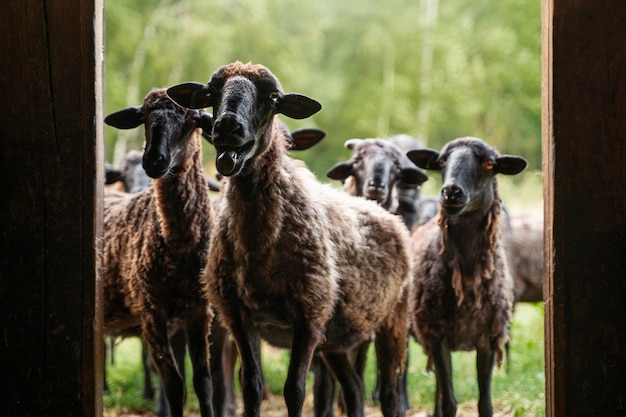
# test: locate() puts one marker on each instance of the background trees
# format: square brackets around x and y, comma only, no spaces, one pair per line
[432,69]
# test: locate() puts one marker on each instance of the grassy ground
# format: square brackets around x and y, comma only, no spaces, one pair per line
[516,392]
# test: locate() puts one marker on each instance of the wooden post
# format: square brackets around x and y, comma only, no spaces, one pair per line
[584,151]
[51,172]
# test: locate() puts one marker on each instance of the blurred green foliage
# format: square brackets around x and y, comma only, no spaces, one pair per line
[432,69]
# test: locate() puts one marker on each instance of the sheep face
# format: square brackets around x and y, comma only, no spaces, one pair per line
[245,98]
[467,166]
[376,166]
[167,129]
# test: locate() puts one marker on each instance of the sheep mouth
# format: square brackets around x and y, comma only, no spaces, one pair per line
[453,209]
[378,194]
[230,160]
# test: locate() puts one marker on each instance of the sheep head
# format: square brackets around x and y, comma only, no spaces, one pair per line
[468,167]
[167,129]
[376,166]
[245,98]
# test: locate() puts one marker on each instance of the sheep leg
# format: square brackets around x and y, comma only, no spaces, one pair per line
[249,346]
[305,341]
[148,388]
[351,382]
[445,402]
[485,360]
[172,382]
[360,360]
[403,394]
[178,343]
[218,339]
[389,359]
[323,390]
[391,343]
[405,404]
[229,360]
[198,330]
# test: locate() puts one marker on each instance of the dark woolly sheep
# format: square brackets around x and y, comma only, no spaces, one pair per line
[376,170]
[523,243]
[130,177]
[285,248]
[156,243]
[298,140]
[414,208]
[462,292]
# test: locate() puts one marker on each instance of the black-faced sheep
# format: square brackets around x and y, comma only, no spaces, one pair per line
[156,243]
[292,260]
[378,170]
[462,293]
[298,140]
[130,177]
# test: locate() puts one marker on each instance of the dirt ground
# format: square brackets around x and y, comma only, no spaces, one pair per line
[275,407]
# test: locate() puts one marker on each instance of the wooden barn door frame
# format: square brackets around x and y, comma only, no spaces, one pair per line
[51,178]
[584,171]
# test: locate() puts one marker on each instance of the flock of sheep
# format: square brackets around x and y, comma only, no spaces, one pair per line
[321,271]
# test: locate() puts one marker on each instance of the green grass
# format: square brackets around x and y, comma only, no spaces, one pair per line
[518,392]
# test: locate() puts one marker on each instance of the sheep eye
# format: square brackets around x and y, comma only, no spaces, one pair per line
[273,95]
[488,165]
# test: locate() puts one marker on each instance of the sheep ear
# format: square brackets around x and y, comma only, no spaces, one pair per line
[424,158]
[341,171]
[190,95]
[128,118]
[297,106]
[510,165]
[306,138]
[352,143]
[412,175]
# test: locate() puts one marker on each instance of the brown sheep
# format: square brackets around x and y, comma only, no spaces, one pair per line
[377,170]
[462,292]
[156,243]
[523,241]
[285,248]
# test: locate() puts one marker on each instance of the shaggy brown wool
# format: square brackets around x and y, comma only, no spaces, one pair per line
[155,245]
[462,290]
[292,260]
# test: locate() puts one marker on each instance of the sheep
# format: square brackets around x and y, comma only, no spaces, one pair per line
[414,208]
[131,177]
[523,244]
[298,140]
[376,170]
[285,247]
[156,243]
[462,292]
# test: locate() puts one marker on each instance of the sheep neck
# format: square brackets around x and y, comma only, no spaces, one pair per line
[469,245]
[182,197]
[264,193]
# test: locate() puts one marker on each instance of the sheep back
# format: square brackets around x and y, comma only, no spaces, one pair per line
[309,249]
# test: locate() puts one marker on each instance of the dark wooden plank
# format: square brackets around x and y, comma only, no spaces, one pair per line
[51,172]
[586,150]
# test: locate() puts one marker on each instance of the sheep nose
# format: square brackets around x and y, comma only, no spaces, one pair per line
[228,127]
[376,183]
[452,194]
[155,164]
